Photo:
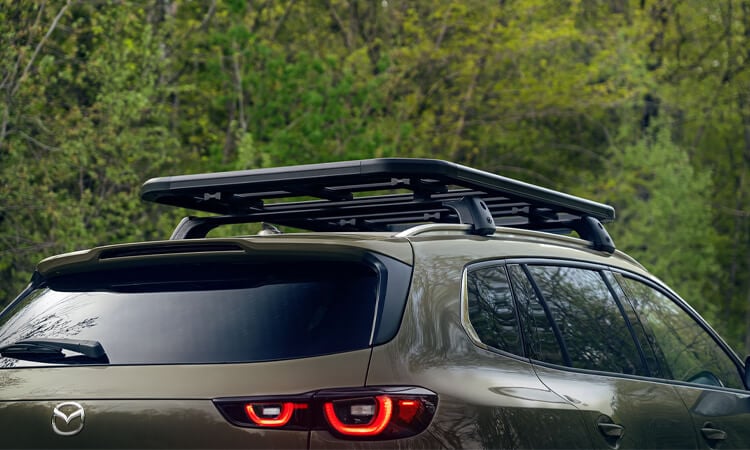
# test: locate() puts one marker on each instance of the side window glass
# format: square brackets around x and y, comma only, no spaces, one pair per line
[540,340]
[491,309]
[686,349]
[649,348]
[593,329]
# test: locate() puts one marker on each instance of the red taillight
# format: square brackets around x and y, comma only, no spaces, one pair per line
[272,414]
[382,409]
[364,413]
[407,410]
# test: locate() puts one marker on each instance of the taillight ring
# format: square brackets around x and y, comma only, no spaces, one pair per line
[381,416]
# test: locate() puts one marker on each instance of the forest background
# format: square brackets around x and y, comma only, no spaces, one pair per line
[644,104]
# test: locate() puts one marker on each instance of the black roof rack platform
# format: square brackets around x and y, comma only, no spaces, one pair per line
[387,194]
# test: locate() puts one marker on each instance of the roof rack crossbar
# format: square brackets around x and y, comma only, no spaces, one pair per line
[458,211]
[376,195]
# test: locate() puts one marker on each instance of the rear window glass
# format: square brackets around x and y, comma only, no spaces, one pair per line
[204,313]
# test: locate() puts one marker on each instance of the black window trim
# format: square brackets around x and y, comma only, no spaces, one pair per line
[394,284]
[603,268]
[522,262]
[555,329]
[660,371]
[628,323]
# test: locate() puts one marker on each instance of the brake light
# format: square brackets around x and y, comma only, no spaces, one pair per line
[363,414]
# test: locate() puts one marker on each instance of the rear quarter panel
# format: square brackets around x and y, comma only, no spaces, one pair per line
[486,399]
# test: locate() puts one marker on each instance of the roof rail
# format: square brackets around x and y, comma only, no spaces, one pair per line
[387,194]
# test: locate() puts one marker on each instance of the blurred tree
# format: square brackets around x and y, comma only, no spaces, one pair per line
[96,97]
[663,220]
[699,55]
[82,128]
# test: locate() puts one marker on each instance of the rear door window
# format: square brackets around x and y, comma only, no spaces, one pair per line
[592,329]
[205,313]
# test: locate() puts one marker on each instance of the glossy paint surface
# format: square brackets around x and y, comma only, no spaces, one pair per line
[121,423]
[725,411]
[486,399]
[492,400]
[650,413]
[161,406]
[283,244]
[320,440]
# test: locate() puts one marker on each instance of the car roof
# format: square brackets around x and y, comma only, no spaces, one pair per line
[507,242]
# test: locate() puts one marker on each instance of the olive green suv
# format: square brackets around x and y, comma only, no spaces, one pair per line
[397,303]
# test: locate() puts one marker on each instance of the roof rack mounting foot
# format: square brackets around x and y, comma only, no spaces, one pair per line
[590,229]
[192,227]
[473,211]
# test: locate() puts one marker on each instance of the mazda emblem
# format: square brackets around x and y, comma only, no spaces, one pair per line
[64,418]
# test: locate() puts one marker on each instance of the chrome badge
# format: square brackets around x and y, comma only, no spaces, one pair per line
[64,418]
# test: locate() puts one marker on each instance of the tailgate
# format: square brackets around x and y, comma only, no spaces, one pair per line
[158,406]
[140,350]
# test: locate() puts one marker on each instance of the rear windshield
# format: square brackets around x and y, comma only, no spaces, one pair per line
[203,313]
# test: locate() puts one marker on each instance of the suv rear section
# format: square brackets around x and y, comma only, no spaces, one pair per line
[404,317]
[337,338]
[215,343]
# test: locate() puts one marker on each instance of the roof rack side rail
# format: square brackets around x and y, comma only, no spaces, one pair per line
[435,228]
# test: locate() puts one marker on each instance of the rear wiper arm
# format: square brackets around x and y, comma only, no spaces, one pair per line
[91,349]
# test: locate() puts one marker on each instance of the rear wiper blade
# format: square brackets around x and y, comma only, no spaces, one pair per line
[52,347]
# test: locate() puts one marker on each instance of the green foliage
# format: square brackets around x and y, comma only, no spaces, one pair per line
[95,98]
[71,167]
[663,219]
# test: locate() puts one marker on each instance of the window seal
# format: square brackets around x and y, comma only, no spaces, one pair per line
[631,329]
